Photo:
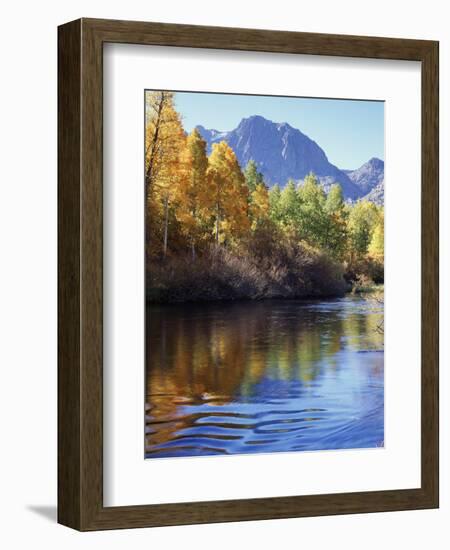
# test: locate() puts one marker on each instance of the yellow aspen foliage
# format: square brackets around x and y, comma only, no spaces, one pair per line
[230,194]
[193,196]
[363,217]
[160,119]
[259,205]
[376,246]
[165,142]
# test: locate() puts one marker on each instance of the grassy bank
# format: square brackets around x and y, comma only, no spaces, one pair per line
[367,287]
[284,270]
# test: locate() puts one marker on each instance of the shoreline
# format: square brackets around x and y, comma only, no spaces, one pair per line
[306,298]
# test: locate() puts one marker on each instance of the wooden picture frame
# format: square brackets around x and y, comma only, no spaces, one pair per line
[80,271]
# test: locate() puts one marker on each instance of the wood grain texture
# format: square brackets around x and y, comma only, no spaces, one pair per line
[69,245]
[430,272]
[80,242]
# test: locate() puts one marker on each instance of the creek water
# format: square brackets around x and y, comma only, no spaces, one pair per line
[268,376]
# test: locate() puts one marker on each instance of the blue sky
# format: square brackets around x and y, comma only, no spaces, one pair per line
[349,131]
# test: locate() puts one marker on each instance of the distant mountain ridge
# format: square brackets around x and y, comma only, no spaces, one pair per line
[283,152]
[370,179]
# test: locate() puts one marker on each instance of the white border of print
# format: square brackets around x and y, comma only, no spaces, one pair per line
[128,478]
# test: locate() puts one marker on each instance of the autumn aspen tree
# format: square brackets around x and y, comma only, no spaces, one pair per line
[165,141]
[230,193]
[194,197]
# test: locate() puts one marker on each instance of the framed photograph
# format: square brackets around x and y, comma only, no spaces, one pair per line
[248,274]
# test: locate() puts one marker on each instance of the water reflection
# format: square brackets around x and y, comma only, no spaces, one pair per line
[263,377]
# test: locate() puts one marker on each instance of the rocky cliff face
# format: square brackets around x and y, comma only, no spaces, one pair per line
[376,195]
[368,176]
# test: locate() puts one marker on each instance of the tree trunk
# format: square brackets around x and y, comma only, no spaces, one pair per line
[327,233]
[217,218]
[166,223]
[194,215]
[217,227]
